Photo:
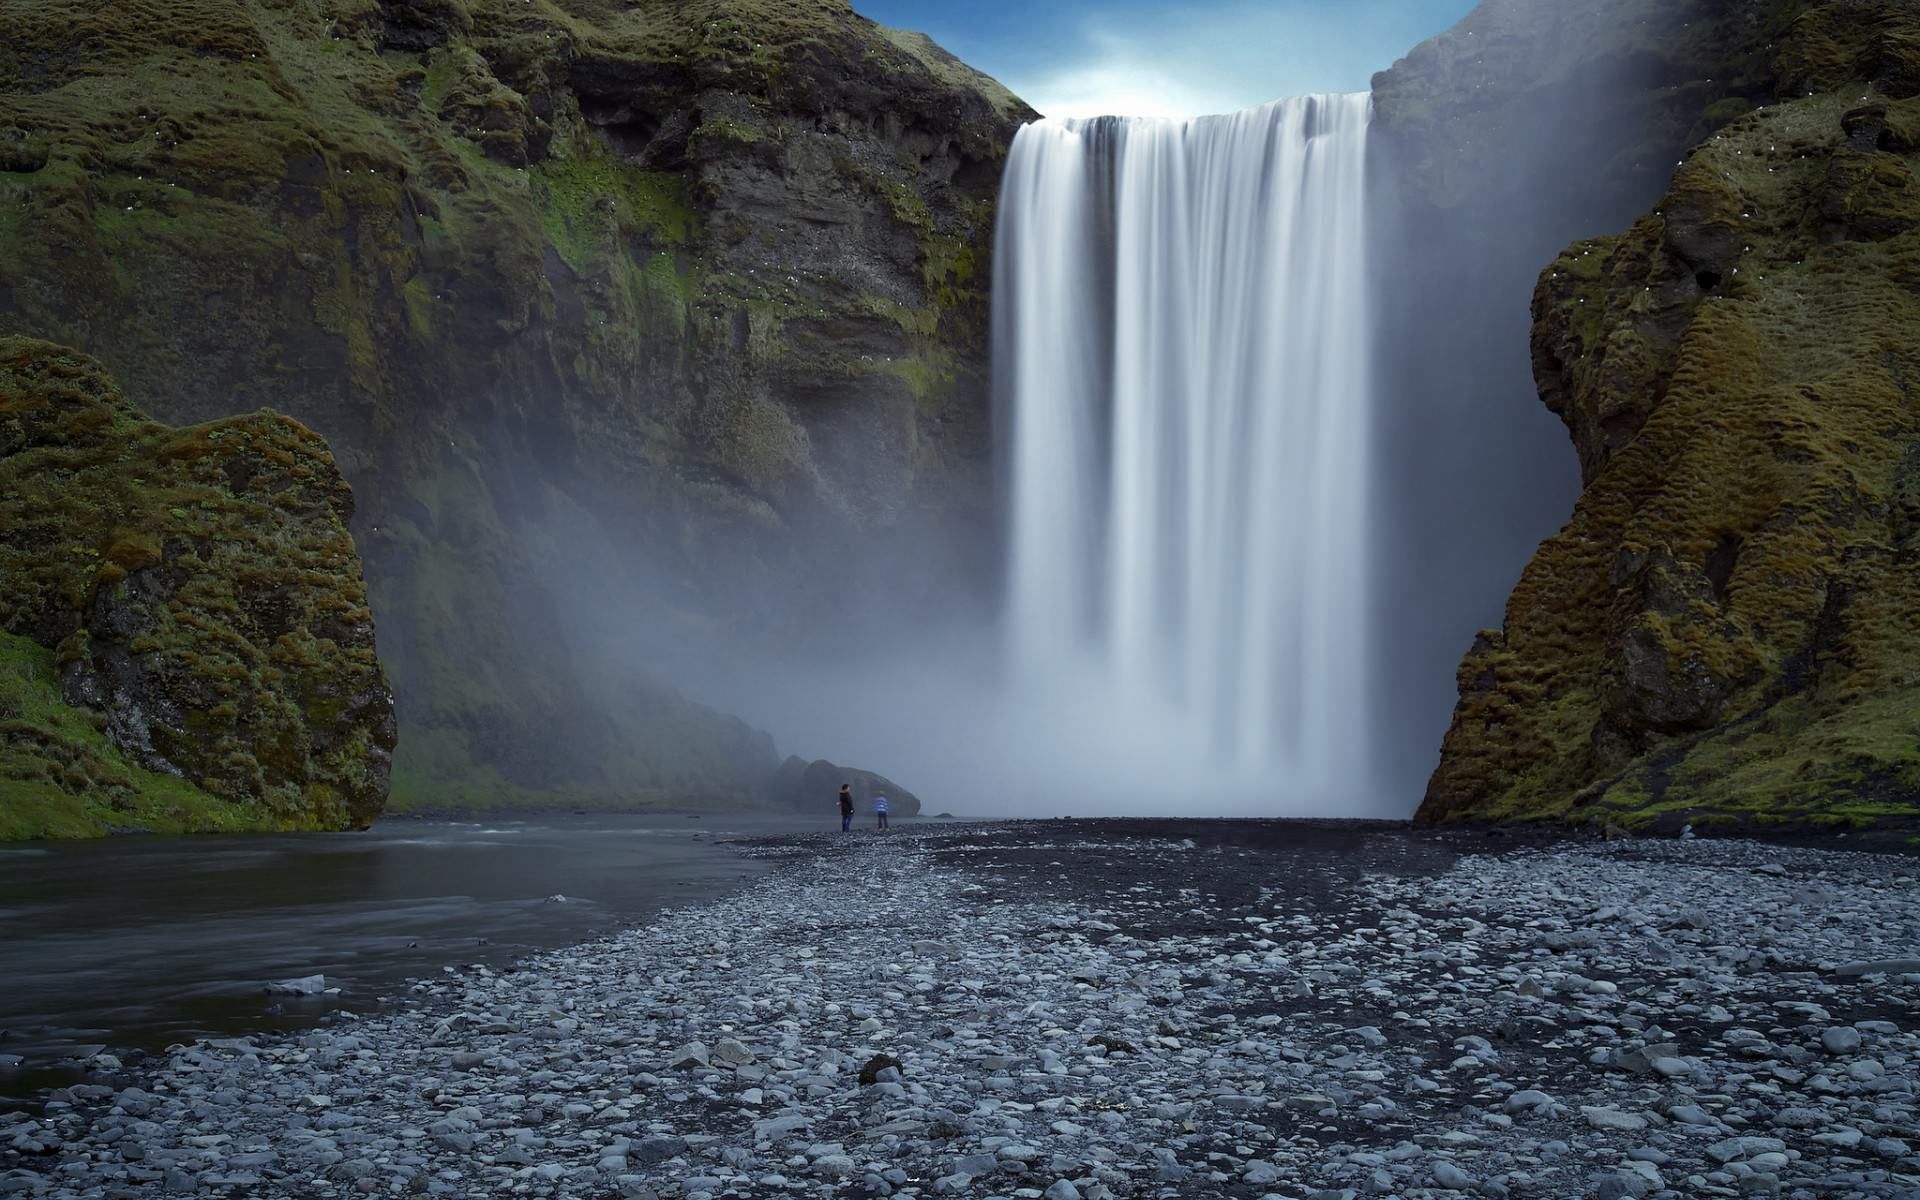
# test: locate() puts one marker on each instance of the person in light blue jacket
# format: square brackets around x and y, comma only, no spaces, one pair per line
[880,809]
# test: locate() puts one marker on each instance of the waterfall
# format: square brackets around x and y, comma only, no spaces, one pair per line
[1181,342]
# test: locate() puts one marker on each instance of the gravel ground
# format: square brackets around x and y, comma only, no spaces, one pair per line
[1092,1009]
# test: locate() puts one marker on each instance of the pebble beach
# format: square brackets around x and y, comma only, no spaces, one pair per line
[1095,1009]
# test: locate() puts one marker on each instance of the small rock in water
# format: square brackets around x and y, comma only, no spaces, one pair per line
[309,985]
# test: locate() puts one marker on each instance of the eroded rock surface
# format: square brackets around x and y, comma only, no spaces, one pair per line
[201,598]
[1724,629]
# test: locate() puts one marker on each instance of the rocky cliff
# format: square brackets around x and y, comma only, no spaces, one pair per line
[632,323]
[1726,628]
[185,642]
[812,789]
[1528,125]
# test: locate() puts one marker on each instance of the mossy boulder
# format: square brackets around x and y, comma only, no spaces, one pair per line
[1729,626]
[197,596]
[606,309]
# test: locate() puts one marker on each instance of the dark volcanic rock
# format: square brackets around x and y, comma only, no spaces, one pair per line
[615,315]
[1723,631]
[815,787]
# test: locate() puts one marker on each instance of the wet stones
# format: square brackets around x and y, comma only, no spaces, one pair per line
[1199,1024]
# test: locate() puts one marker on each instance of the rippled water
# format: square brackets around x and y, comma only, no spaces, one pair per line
[142,942]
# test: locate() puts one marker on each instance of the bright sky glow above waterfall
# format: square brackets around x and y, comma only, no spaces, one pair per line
[1172,58]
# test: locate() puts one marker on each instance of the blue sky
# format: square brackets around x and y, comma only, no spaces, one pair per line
[1167,58]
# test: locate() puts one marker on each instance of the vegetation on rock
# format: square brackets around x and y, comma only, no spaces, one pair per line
[185,642]
[1725,630]
[648,301]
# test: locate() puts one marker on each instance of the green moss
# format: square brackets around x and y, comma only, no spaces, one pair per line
[587,205]
[1730,109]
[721,131]
[1725,626]
[445,68]
[418,293]
[60,776]
[249,593]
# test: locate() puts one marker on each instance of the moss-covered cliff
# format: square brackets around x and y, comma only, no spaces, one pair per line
[1729,627]
[185,642]
[627,320]
[1524,127]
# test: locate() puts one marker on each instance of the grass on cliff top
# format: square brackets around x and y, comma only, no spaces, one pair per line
[61,778]
[957,74]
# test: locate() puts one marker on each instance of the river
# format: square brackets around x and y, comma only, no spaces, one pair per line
[137,943]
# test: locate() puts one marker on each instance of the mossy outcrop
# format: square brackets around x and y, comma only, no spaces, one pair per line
[185,641]
[1727,628]
[1526,126]
[626,321]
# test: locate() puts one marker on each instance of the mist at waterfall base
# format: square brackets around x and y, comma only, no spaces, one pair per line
[911,666]
[1183,431]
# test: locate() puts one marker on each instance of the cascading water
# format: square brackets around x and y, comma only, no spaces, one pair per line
[1181,355]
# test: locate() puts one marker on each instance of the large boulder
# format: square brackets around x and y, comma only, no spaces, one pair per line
[203,606]
[814,787]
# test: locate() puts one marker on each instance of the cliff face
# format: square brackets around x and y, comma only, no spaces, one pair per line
[1527,125]
[185,641]
[626,320]
[1725,629]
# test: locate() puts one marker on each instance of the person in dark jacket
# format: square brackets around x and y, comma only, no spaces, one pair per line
[846,807]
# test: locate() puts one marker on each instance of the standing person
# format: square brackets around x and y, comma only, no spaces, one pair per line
[880,809]
[846,807]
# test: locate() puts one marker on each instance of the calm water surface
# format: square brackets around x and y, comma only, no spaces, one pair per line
[143,942]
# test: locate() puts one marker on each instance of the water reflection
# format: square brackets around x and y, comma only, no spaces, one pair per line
[147,941]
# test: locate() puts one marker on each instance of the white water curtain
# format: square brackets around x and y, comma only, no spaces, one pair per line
[1181,341]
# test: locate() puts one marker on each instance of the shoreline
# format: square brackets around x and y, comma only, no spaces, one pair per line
[207,926]
[1179,1009]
